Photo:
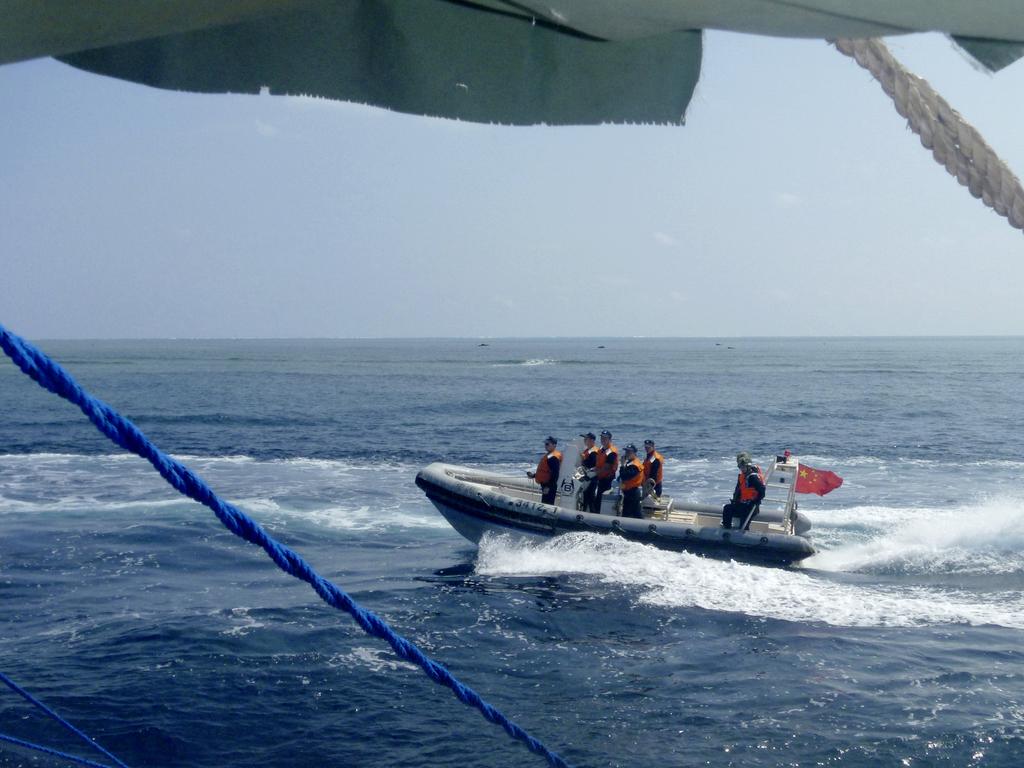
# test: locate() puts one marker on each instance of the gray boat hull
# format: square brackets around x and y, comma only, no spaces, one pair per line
[476,503]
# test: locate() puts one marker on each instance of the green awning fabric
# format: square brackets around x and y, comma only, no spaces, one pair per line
[424,57]
[504,61]
[993,54]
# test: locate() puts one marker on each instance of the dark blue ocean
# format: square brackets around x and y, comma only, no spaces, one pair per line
[136,615]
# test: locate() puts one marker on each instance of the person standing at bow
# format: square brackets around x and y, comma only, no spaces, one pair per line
[607,466]
[654,468]
[631,478]
[748,493]
[546,475]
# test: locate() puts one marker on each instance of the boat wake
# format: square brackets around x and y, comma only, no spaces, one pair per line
[333,494]
[879,565]
[987,538]
[681,580]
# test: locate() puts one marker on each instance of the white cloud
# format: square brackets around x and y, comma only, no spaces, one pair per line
[788,200]
[665,239]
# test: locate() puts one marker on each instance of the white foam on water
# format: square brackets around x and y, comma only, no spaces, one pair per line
[87,504]
[96,462]
[528,363]
[33,458]
[243,623]
[982,538]
[373,659]
[230,459]
[368,517]
[681,580]
[345,495]
[258,506]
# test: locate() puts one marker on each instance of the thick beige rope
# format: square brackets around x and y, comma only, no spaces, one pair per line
[954,143]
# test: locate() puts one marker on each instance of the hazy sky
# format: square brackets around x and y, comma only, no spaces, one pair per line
[793,202]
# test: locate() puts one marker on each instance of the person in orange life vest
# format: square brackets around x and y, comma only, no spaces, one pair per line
[631,480]
[548,467]
[654,468]
[748,493]
[588,462]
[607,466]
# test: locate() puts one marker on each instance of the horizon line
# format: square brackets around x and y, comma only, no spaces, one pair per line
[762,337]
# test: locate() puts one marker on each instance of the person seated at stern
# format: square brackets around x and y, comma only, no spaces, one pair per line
[748,493]
[546,475]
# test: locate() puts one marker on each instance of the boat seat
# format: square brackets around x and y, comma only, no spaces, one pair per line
[681,516]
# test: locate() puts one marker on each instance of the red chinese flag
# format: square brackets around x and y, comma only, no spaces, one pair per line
[819,481]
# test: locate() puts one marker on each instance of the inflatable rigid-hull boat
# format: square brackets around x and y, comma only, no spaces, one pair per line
[476,502]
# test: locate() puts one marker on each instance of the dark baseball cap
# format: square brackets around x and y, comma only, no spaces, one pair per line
[591,435]
[605,433]
[649,442]
[630,447]
[550,439]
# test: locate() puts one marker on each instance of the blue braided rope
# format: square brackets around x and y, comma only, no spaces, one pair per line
[51,376]
[36,702]
[54,752]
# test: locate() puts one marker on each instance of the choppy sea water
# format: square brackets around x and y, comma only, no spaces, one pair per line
[133,613]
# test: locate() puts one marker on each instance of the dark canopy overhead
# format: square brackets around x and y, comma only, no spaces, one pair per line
[507,61]
[423,57]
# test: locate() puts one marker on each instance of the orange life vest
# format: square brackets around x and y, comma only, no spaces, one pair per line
[747,493]
[585,454]
[648,461]
[543,473]
[607,462]
[637,480]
